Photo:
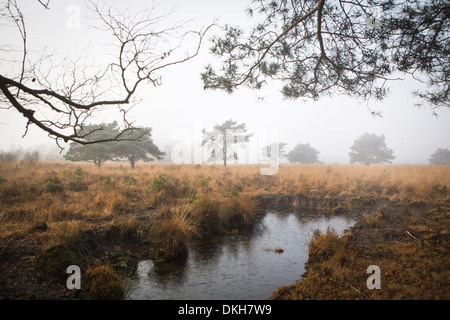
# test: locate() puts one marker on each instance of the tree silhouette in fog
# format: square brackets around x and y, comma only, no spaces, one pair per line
[440,157]
[303,153]
[223,138]
[138,146]
[370,149]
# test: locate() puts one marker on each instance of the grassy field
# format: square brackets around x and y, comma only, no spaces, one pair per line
[54,214]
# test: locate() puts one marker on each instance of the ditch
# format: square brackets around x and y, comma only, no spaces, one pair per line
[242,266]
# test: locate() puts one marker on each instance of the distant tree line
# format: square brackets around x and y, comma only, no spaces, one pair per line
[32,155]
[367,149]
[221,141]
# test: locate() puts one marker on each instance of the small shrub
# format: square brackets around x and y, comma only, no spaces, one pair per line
[185,187]
[107,180]
[196,200]
[78,173]
[130,181]
[234,192]
[440,190]
[51,185]
[385,175]
[204,181]
[159,183]
[66,173]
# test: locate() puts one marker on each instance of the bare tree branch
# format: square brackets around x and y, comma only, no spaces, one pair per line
[59,97]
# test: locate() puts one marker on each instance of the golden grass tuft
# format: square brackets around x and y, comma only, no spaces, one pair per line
[327,245]
[103,283]
[173,228]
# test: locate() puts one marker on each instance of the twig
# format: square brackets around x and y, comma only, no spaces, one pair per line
[415,239]
[360,292]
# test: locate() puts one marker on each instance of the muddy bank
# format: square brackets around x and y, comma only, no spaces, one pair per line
[29,270]
[352,205]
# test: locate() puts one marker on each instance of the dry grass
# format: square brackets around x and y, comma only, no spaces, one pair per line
[187,202]
[104,283]
[55,192]
[173,228]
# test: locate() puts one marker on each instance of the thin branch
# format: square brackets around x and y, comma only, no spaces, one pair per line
[415,238]
[19,21]
[45,4]
[258,61]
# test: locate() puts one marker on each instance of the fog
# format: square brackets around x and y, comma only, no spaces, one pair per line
[181,104]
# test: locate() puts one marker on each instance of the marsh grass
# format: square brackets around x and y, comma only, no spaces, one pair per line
[327,245]
[189,202]
[173,228]
[61,191]
[103,283]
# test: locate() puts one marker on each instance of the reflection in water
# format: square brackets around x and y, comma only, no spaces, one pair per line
[236,266]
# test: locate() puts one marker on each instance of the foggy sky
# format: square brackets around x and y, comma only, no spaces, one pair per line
[330,125]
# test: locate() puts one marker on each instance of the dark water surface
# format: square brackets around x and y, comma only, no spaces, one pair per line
[237,266]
